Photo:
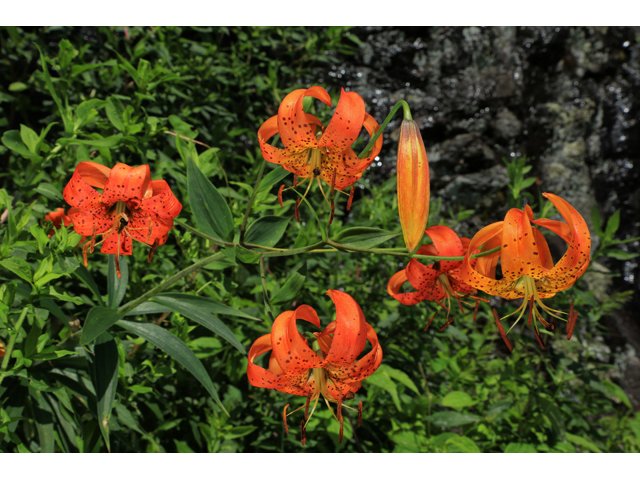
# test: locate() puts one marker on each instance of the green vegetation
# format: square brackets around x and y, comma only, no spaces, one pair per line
[171,375]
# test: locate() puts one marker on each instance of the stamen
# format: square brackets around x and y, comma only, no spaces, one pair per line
[539,339]
[280,195]
[332,211]
[150,230]
[297,212]
[333,182]
[93,238]
[475,310]
[431,320]
[530,312]
[571,322]
[350,198]
[84,252]
[303,433]
[359,413]
[118,261]
[306,407]
[153,249]
[446,324]
[340,419]
[341,434]
[284,418]
[322,189]
[503,334]
[295,181]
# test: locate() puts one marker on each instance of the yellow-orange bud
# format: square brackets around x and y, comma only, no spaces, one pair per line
[413,184]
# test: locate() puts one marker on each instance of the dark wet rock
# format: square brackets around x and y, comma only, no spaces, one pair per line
[567,98]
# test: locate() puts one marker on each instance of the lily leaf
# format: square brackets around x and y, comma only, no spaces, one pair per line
[267,230]
[104,374]
[209,207]
[364,237]
[99,319]
[176,348]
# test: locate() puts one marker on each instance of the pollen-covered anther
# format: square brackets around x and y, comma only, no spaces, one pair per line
[284,418]
[153,249]
[503,334]
[297,210]
[280,195]
[350,201]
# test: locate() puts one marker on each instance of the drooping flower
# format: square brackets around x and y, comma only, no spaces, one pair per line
[130,207]
[528,270]
[329,368]
[413,184]
[314,152]
[440,281]
[58,218]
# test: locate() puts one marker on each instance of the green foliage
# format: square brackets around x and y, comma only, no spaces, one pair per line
[96,363]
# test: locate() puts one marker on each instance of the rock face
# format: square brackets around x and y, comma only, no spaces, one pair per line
[567,98]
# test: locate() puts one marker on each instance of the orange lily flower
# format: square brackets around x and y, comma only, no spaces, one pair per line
[57,217]
[439,281]
[328,368]
[130,207]
[527,267]
[413,184]
[314,152]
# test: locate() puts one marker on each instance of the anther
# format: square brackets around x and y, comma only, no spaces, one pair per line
[84,253]
[503,334]
[280,195]
[306,407]
[118,264]
[297,211]
[475,310]
[530,312]
[284,418]
[431,320]
[359,413]
[538,337]
[153,249]
[295,181]
[446,325]
[350,198]
[303,433]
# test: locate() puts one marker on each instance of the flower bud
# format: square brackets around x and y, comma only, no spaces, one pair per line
[413,184]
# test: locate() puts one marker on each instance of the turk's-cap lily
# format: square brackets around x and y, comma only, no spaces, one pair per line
[329,368]
[130,207]
[528,270]
[413,184]
[439,282]
[312,151]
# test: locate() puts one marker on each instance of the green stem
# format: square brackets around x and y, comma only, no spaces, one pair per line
[12,341]
[253,196]
[204,235]
[396,107]
[170,281]
[294,251]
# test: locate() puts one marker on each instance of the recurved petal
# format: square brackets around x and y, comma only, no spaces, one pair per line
[159,201]
[84,222]
[350,333]
[447,244]
[394,286]
[258,376]
[371,361]
[127,184]
[290,349]
[421,276]
[520,255]
[293,124]
[346,123]
[110,244]
[79,192]
[482,275]
[139,228]
[576,259]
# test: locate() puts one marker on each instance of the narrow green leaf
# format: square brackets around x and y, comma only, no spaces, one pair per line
[99,319]
[50,305]
[148,308]
[460,444]
[49,191]
[452,419]
[520,448]
[289,291]
[115,112]
[207,304]
[612,225]
[267,230]
[176,348]
[19,267]
[363,237]
[104,375]
[271,178]
[381,379]
[245,255]
[30,138]
[117,287]
[582,442]
[13,141]
[457,400]
[198,310]
[83,274]
[44,419]
[209,207]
